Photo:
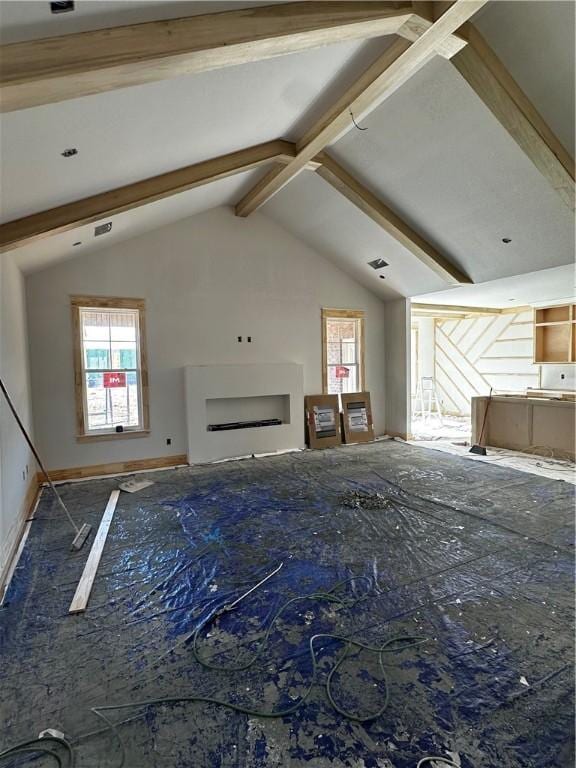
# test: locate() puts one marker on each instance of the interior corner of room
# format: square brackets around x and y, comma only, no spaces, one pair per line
[287,383]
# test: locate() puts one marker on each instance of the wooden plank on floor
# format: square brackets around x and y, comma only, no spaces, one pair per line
[82,594]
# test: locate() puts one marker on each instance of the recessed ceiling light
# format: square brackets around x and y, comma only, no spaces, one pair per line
[506,240]
[69,152]
[62,7]
[101,229]
[377,264]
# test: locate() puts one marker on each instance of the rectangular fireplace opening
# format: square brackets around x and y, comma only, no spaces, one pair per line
[231,413]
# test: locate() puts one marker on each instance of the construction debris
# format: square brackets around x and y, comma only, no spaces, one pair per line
[131,486]
[364,500]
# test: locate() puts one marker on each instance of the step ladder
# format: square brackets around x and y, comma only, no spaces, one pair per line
[426,400]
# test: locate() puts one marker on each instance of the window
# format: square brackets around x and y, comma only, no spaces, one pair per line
[342,351]
[111,377]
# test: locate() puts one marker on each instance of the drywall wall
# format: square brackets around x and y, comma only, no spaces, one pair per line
[17,467]
[422,349]
[397,334]
[473,354]
[206,280]
[558,376]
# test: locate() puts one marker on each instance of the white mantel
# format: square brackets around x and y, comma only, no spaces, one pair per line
[231,393]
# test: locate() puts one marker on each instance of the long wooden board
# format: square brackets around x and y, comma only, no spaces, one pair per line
[58,68]
[28,229]
[82,594]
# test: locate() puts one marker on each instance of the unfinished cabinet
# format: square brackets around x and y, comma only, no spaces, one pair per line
[555,334]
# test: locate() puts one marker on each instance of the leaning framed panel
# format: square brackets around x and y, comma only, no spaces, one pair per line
[357,422]
[322,421]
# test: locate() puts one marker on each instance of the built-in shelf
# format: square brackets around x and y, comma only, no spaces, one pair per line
[555,334]
[559,314]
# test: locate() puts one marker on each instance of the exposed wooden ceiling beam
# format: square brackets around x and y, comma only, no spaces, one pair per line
[425,14]
[369,204]
[19,232]
[451,309]
[398,63]
[59,68]
[492,82]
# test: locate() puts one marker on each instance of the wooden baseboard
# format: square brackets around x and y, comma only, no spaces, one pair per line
[25,512]
[78,473]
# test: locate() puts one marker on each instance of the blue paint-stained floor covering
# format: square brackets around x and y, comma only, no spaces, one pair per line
[475,557]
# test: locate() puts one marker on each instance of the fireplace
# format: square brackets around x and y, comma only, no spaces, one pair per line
[241,410]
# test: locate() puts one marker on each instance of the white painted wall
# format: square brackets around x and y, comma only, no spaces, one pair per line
[206,280]
[397,325]
[426,352]
[471,355]
[15,456]
[558,376]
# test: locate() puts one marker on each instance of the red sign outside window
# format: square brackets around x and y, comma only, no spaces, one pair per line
[342,372]
[114,380]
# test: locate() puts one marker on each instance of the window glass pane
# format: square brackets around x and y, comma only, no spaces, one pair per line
[112,399]
[337,329]
[124,354]
[342,380]
[351,383]
[95,401]
[95,325]
[334,351]
[348,351]
[123,326]
[96,354]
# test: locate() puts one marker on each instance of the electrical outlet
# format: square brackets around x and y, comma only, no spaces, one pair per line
[562,376]
[249,339]
[168,441]
[239,339]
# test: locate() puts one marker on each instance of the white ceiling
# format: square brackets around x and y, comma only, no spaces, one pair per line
[311,209]
[438,157]
[432,151]
[134,223]
[134,133]
[535,42]
[542,287]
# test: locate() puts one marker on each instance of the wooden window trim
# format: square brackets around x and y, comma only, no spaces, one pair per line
[108,302]
[354,314]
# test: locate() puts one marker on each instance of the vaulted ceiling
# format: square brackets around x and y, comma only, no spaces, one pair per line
[431,155]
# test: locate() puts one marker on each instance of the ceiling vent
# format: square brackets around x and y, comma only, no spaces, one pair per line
[63,7]
[378,264]
[102,229]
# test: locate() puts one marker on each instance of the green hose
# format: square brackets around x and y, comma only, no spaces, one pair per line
[405,641]
[28,746]
[392,645]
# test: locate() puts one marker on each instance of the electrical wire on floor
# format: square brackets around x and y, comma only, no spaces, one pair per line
[316,642]
[396,644]
[392,645]
[63,758]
